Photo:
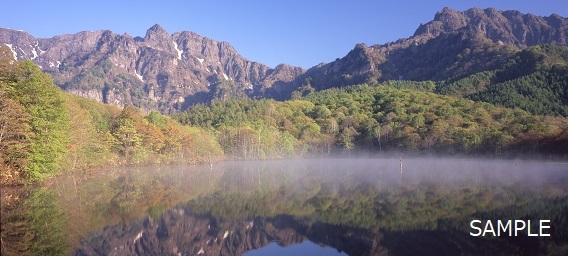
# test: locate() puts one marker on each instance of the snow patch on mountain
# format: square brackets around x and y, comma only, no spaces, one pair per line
[139,76]
[13,52]
[180,52]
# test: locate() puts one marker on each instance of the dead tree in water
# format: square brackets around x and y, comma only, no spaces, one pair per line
[401,166]
[210,166]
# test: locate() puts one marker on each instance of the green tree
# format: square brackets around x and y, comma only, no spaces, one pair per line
[49,118]
[128,138]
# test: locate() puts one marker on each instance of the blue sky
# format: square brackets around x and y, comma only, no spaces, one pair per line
[301,33]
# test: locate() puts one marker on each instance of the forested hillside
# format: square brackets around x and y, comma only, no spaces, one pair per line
[44,130]
[376,118]
[535,80]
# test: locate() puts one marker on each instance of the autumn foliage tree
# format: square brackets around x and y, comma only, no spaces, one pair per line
[30,99]
[44,131]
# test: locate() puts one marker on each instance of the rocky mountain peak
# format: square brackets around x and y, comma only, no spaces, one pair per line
[13,38]
[445,12]
[508,27]
[171,71]
[437,49]
[158,36]
[492,13]
[156,28]
[160,71]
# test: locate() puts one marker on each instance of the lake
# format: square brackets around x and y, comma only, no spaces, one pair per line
[381,206]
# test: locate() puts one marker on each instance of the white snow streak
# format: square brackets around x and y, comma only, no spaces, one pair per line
[13,52]
[251,223]
[40,50]
[139,76]
[15,29]
[225,76]
[138,236]
[34,53]
[200,60]
[180,52]
[226,234]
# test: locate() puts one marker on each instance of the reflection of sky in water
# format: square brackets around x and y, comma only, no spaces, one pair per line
[304,248]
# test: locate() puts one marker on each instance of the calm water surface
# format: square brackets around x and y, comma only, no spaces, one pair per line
[300,207]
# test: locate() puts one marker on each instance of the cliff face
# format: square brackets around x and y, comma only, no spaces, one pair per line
[507,27]
[159,71]
[171,71]
[453,44]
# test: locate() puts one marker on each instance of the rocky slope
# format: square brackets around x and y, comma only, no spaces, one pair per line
[171,71]
[159,71]
[507,27]
[454,44]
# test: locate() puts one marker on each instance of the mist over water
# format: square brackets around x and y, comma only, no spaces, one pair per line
[403,171]
[355,206]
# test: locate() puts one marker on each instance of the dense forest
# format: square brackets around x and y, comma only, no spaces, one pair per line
[375,118]
[44,131]
[534,79]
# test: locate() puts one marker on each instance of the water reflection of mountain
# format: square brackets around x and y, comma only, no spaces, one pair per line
[178,232]
[354,207]
[357,206]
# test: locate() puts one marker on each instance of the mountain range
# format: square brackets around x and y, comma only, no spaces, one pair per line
[169,72]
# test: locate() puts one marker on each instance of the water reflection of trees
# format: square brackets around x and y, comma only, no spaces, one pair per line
[334,204]
[34,224]
[251,219]
[383,205]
